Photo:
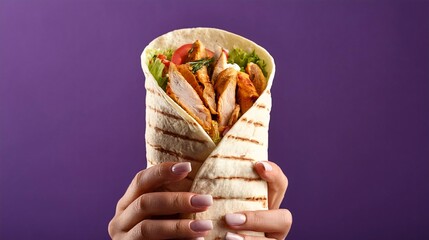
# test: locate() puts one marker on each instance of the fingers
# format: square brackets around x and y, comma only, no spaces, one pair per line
[161,203]
[277,182]
[275,223]
[169,229]
[152,178]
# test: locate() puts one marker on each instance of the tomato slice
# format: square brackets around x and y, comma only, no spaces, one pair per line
[164,60]
[180,55]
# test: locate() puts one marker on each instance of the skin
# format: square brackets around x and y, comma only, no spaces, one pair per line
[143,213]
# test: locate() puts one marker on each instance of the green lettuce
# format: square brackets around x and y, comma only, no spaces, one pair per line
[242,58]
[156,67]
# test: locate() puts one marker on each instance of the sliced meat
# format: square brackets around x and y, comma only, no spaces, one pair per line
[232,120]
[184,69]
[208,91]
[257,77]
[220,65]
[183,93]
[197,52]
[225,92]
[234,116]
[246,92]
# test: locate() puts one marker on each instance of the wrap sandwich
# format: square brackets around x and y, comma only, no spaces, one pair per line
[208,102]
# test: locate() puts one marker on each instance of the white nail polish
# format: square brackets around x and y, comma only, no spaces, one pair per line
[233,236]
[181,168]
[235,219]
[266,166]
[201,225]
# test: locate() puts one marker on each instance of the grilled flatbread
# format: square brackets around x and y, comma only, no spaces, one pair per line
[224,170]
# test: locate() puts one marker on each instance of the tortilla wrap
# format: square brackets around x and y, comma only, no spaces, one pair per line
[225,170]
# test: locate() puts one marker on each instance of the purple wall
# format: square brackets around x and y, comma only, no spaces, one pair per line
[350,122]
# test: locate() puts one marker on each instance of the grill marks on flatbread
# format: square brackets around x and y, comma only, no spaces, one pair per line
[176,135]
[244,139]
[165,113]
[177,155]
[262,106]
[153,91]
[226,171]
[241,158]
[173,137]
[169,115]
[255,199]
[255,123]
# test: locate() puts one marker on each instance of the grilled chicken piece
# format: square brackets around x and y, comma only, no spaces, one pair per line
[208,91]
[184,69]
[234,116]
[183,93]
[232,120]
[197,52]
[246,93]
[219,66]
[225,91]
[257,77]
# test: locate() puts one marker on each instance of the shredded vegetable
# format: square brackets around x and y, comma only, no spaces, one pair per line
[242,58]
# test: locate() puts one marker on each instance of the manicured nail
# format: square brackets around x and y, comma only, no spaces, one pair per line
[266,166]
[201,225]
[180,168]
[201,200]
[235,219]
[233,236]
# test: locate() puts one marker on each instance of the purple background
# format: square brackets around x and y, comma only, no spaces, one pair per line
[350,121]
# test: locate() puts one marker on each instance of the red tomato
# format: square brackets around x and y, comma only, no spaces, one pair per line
[164,60]
[180,55]
[162,56]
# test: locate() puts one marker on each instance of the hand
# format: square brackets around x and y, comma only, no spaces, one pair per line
[274,222]
[143,213]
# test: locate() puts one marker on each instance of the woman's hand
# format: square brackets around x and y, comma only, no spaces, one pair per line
[139,212]
[274,222]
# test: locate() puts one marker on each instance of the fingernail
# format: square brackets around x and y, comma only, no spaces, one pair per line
[233,236]
[267,166]
[235,219]
[201,225]
[180,168]
[201,200]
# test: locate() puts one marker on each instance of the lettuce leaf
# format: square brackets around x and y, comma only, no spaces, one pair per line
[156,67]
[242,58]
[155,52]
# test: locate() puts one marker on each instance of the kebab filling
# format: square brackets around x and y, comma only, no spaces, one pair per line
[214,88]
